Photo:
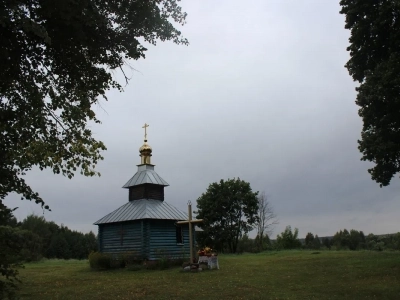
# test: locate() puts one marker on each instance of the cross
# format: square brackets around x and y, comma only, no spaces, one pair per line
[145,131]
[190,221]
[121,233]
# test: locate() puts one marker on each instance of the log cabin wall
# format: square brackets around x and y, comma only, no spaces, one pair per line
[163,240]
[118,238]
[150,239]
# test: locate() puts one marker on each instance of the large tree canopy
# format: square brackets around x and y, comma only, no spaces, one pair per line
[229,210]
[56,59]
[375,63]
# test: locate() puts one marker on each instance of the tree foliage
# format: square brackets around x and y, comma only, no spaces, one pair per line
[288,239]
[309,239]
[312,242]
[375,64]
[12,241]
[264,244]
[59,241]
[6,216]
[383,242]
[353,240]
[249,245]
[229,210]
[56,61]
[326,243]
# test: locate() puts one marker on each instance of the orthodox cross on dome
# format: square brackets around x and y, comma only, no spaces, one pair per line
[190,221]
[145,130]
[145,150]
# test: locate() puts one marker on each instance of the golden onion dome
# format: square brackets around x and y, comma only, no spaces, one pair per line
[145,147]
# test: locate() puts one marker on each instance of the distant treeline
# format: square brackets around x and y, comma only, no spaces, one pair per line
[36,238]
[356,240]
[342,240]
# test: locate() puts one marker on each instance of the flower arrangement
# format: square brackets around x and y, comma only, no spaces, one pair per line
[206,251]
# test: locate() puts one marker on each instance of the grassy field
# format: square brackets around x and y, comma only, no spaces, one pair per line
[271,275]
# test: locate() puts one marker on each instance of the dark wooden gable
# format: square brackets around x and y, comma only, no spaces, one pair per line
[146,191]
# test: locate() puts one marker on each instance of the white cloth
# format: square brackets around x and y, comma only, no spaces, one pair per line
[211,261]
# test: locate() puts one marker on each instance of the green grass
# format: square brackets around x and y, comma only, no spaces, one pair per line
[271,275]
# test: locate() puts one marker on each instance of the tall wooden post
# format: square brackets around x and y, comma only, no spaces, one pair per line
[189,222]
[190,231]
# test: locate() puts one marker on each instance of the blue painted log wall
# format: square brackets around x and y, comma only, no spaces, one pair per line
[163,240]
[150,239]
[110,240]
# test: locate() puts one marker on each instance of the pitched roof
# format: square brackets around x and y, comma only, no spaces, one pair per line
[145,174]
[143,209]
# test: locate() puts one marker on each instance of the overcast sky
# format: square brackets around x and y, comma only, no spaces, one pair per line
[261,93]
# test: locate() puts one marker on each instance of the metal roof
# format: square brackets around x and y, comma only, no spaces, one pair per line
[143,209]
[145,174]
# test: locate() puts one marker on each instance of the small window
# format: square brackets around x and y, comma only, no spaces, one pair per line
[179,235]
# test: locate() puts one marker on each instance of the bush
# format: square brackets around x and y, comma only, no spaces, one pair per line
[99,260]
[177,262]
[131,261]
[129,258]
[163,263]
[151,265]
[134,267]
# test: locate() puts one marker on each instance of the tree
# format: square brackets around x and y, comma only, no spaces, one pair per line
[265,243]
[56,61]
[12,242]
[356,240]
[309,240]
[32,246]
[312,242]
[327,243]
[246,244]
[341,240]
[288,239]
[90,243]
[6,216]
[59,248]
[375,64]
[396,241]
[374,242]
[45,230]
[316,243]
[266,219]
[59,241]
[229,210]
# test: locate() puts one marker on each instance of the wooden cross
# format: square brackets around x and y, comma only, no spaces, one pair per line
[121,233]
[190,221]
[145,131]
